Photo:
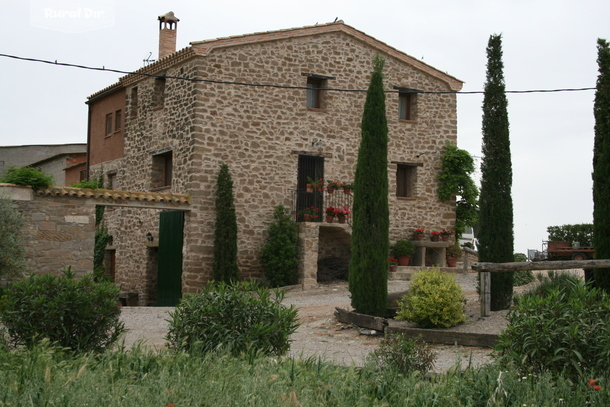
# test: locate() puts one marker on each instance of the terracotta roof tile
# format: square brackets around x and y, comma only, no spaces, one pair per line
[112,195]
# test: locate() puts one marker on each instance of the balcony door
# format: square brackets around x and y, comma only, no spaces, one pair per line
[309,167]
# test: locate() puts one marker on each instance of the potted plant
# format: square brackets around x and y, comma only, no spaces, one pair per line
[347,187]
[393,264]
[309,214]
[342,213]
[453,253]
[316,184]
[418,234]
[445,234]
[435,235]
[330,214]
[332,185]
[403,250]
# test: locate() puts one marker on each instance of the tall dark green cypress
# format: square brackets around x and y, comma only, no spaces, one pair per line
[370,227]
[495,201]
[601,165]
[225,234]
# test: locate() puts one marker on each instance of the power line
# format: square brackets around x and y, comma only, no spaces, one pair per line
[103,68]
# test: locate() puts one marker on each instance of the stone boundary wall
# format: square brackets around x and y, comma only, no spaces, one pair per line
[59,232]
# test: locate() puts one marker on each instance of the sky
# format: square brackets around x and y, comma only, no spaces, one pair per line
[546,44]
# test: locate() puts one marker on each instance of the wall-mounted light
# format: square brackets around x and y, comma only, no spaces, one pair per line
[149,237]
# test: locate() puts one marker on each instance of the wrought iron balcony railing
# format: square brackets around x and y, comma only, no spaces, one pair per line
[318,201]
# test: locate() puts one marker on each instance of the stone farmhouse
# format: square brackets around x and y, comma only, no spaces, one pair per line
[275,107]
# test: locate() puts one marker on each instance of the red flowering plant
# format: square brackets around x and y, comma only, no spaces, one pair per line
[393,262]
[334,183]
[330,211]
[312,211]
[446,232]
[419,231]
[594,384]
[343,211]
[436,233]
[316,184]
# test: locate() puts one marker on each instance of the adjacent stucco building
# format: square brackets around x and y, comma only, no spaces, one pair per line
[277,107]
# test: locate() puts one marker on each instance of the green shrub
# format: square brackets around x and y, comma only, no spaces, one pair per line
[434,300]
[78,314]
[404,354]
[27,176]
[403,248]
[235,317]
[562,328]
[522,277]
[280,253]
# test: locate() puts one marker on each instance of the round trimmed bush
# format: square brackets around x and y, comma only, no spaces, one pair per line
[434,300]
[233,317]
[78,314]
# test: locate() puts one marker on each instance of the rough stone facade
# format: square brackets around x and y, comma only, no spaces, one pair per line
[260,131]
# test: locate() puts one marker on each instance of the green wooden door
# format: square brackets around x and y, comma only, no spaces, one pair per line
[169,281]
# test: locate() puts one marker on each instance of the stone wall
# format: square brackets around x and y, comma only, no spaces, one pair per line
[60,230]
[260,132]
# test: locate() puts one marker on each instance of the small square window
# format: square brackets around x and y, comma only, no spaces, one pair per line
[118,120]
[109,128]
[112,181]
[162,170]
[406,179]
[159,93]
[407,103]
[133,103]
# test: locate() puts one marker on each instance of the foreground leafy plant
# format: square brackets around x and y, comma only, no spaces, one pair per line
[434,300]
[78,314]
[404,354]
[236,317]
[563,329]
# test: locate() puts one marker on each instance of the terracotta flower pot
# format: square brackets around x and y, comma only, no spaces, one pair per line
[418,237]
[309,188]
[404,260]
[341,219]
[329,219]
[307,218]
[452,261]
[435,238]
[445,238]
[330,189]
[347,190]
[393,268]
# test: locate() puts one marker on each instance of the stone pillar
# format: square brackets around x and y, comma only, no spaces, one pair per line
[309,236]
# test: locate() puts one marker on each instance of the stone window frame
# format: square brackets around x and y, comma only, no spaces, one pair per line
[112,179]
[406,179]
[162,169]
[407,103]
[315,98]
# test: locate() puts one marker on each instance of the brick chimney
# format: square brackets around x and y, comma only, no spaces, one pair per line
[167,34]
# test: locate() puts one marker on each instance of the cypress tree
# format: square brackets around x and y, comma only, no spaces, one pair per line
[601,165]
[225,235]
[370,227]
[495,201]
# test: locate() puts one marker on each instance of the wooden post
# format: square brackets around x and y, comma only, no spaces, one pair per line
[485,287]
[485,269]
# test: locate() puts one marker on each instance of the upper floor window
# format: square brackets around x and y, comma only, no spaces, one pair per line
[315,90]
[406,179]
[109,128]
[159,93]
[162,170]
[133,103]
[118,120]
[407,103]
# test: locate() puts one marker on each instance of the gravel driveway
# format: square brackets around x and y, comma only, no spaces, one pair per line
[321,335]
